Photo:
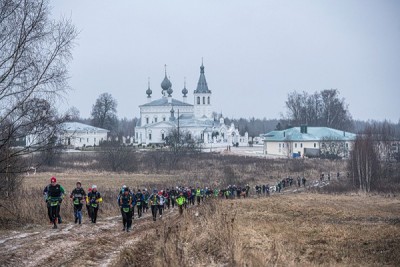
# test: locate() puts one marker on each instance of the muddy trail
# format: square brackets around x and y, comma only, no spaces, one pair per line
[88,244]
[73,244]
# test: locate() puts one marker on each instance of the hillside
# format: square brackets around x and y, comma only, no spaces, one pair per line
[302,229]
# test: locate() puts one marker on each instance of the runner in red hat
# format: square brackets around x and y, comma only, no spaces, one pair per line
[53,195]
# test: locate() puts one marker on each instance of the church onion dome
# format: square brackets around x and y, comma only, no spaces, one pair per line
[184,91]
[170,91]
[172,117]
[166,83]
[148,91]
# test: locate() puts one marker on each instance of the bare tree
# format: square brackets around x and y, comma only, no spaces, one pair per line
[295,105]
[116,157]
[323,108]
[34,52]
[364,162]
[335,111]
[126,127]
[73,114]
[181,143]
[333,147]
[104,112]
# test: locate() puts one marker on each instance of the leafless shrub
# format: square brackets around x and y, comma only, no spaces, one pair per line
[371,164]
[336,187]
[34,54]
[230,178]
[184,241]
[115,157]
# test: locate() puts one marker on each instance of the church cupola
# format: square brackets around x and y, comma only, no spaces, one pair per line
[184,91]
[170,91]
[172,117]
[202,97]
[148,91]
[222,120]
[202,86]
[166,83]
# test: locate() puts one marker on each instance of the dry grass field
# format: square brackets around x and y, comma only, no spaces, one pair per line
[282,230]
[287,229]
[298,227]
[105,180]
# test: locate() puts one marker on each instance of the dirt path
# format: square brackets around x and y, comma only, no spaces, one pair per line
[74,245]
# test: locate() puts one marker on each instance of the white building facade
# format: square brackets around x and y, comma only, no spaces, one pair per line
[72,135]
[158,117]
[309,142]
[78,135]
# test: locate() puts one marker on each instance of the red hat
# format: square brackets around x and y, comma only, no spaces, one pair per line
[53,179]
[90,189]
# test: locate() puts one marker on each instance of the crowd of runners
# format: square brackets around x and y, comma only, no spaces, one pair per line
[131,201]
[140,201]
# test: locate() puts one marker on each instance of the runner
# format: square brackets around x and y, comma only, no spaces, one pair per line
[198,195]
[139,202]
[180,200]
[77,195]
[94,199]
[88,205]
[53,194]
[146,196]
[154,202]
[161,203]
[125,202]
[172,194]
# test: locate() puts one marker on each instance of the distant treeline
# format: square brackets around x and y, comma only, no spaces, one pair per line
[323,108]
[254,127]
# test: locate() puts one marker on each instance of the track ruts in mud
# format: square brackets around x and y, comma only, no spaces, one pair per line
[72,245]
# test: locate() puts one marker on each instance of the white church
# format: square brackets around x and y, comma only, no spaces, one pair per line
[159,116]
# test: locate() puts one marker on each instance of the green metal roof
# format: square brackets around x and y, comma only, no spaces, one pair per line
[202,86]
[313,134]
[80,127]
[164,102]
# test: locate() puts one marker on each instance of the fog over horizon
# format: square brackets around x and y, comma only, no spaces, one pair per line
[255,53]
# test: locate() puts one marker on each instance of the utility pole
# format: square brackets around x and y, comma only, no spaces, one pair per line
[179,140]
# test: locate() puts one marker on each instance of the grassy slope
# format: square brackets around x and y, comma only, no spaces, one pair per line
[287,230]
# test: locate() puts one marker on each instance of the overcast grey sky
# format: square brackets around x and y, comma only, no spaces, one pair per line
[255,52]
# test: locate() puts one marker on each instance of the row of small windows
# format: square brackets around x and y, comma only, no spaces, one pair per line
[150,135]
[315,145]
[155,119]
[295,145]
[162,136]
[204,100]
[88,140]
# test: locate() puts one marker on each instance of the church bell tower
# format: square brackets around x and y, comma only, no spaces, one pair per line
[202,97]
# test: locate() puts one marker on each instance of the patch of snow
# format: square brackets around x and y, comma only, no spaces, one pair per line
[22,235]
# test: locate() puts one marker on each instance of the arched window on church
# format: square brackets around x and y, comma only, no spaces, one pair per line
[208,100]
[204,100]
[198,100]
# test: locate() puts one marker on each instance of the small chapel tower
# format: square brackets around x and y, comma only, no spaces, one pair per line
[202,97]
